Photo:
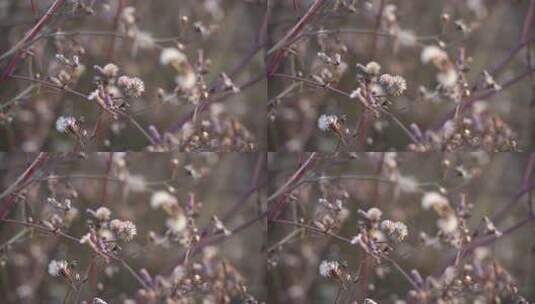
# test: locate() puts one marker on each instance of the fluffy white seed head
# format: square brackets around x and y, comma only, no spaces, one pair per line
[433,53]
[329,269]
[172,55]
[55,268]
[326,122]
[64,123]
[394,85]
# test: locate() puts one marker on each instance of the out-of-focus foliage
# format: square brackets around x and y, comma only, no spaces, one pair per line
[466,60]
[143,227]
[197,68]
[403,228]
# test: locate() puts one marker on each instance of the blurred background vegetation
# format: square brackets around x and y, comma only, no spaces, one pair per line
[29,125]
[490,182]
[495,28]
[212,178]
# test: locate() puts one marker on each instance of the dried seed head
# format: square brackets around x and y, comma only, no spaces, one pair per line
[373,68]
[172,55]
[326,122]
[374,214]
[448,224]
[65,123]
[125,230]
[329,269]
[394,85]
[434,200]
[162,199]
[55,268]
[432,53]
[103,214]
[110,70]
[132,85]
[396,231]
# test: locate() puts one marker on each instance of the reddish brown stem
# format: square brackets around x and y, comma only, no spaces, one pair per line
[38,27]
[116,19]
[13,190]
[362,130]
[294,31]
[377,27]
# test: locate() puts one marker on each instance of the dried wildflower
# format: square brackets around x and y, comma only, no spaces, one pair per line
[374,214]
[434,54]
[394,85]
[162,199]
[329,269]
[110,70]
[176,223]
[133,86]
[65,124]
[327,122]
[373,68]
[103,214]
[125,230]
[434,200]
[396,231]
[56,268]
[448,77]
[172,56]
[448,224]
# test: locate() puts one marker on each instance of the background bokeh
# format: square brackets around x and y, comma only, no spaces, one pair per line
[496,29]
[29,126]
[219,185]
[293,275]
